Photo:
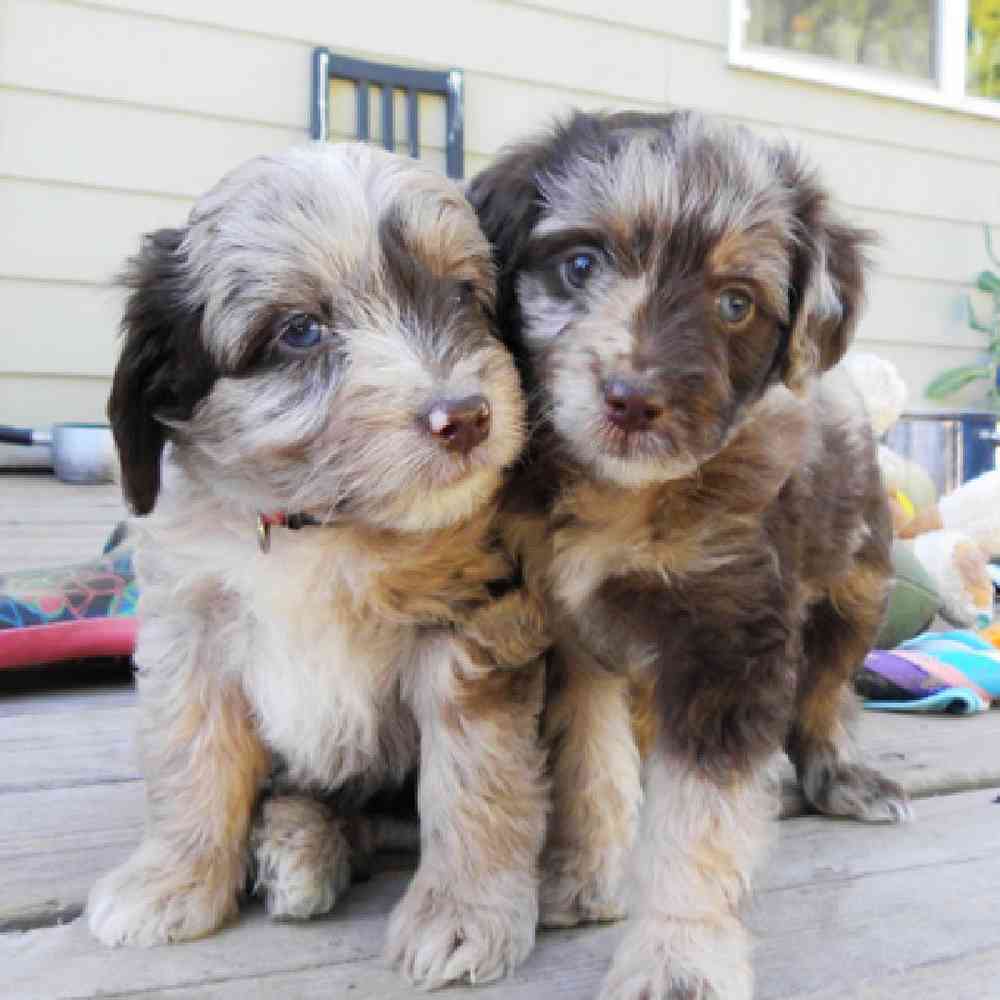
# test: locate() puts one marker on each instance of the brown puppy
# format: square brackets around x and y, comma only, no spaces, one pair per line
[703,511]
[316,341]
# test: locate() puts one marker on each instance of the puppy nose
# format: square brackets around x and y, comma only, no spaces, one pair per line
[459,424]
[629,406]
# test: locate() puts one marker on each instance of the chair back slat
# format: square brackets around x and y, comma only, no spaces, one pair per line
[447,84]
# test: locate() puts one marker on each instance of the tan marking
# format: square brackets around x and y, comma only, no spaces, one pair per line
[928,519]
[595,791]
[757,256]
[645,725]
[694,523]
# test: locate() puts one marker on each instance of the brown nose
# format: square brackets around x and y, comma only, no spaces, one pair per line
[459,424]
[630,407]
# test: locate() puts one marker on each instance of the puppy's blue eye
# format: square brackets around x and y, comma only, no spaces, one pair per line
[579,268]
[302,332]
[735,306]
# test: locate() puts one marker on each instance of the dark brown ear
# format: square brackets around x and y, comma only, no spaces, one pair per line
[163,369]
[828,275]
[507,200]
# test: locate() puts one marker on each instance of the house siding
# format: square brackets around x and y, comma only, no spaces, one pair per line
[116,114]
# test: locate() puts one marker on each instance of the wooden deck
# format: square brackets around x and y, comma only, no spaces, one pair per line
[842,910]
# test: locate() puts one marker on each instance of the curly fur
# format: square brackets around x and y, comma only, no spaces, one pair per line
[359,646]
[728,557]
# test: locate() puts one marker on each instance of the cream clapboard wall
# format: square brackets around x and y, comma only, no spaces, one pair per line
[115,114]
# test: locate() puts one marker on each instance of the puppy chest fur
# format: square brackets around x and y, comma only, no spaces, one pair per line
[702,510]
[673,289]
[317,339]
[332,632]
[660,581]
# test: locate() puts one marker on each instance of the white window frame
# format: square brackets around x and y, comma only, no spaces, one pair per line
[947,91]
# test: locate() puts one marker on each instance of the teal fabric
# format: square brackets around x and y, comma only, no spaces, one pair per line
[956,701]
[978,659]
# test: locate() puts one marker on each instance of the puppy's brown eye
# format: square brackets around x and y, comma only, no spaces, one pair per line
[466,295]
[579,268]
[302,332]
[735,306]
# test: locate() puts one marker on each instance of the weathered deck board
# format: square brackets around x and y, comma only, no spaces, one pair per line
[842,910]
[929,755]
[841,907]
[44,522]
[87,750]
[970,977]
[62,749]
[67,816]
[54,843]
[49,691]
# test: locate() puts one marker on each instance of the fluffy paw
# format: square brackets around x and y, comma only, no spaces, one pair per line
[302,860]
[856,792]
[436,939]
[569,897]
[151,900]
[678,960]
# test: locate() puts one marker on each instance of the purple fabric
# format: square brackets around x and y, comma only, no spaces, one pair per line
[904,673]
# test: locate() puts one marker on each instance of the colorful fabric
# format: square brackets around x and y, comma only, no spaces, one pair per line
[69,612]
[956,672]
[968,653]
[992,634]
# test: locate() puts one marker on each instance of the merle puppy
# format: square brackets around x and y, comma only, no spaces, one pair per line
[314,347]
[702,509]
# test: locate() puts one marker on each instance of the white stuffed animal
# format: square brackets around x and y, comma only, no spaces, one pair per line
[954,537]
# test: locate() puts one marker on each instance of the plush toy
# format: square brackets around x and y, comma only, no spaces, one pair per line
[972,509]
[992,634]
[913,602]
[961,571]
[955,538]
[880,386]
[912,493]
[950,539]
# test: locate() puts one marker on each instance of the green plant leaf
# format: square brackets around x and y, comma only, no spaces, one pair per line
[989,244]
[973,321]
[949,382]
[988,282]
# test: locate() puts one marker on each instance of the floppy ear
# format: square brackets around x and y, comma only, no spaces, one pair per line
[163,367]
[828,276]
[507,200]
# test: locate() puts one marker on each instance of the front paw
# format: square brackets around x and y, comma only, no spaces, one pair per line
[573,893]
[856,792]
[301,858]
[153,899]
[663,959]
[435,938]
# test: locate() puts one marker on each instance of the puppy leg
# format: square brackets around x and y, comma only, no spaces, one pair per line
[838,634]
[698,844]
[204,765]
[302,857]
[305,857]
[471,910]
[596,792]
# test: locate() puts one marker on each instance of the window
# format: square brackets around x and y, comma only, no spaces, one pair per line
[982,59]
[940,52]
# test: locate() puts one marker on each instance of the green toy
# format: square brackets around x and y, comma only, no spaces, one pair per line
[913,601]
